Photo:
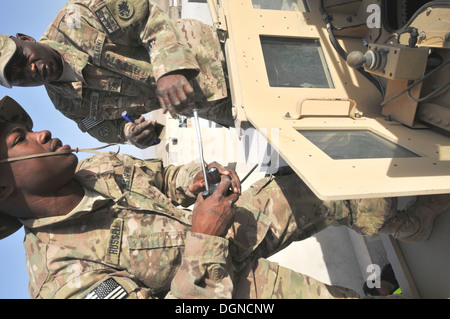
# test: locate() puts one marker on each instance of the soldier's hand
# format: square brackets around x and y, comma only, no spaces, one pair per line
[142,134]
[198,185]
[215,214]
[175,93]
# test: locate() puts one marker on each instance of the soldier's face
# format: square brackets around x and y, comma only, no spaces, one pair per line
[34,175]
[33,64]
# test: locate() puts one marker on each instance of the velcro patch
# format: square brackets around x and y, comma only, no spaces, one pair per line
[95,97]
[107,19]
[127,175]
[125,9]
[115,240]
[109,289]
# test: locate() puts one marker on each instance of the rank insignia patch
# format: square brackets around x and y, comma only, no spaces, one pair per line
[125,9]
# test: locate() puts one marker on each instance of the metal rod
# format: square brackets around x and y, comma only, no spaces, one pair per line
[248,174]
[200,148]
[212,5]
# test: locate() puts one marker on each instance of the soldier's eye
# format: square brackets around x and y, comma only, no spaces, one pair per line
[18,139]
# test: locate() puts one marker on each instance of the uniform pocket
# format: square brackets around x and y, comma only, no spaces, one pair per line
[155,258]
[157,240]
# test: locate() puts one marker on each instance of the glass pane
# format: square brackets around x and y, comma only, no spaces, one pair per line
[294,62]
[353,144]
[286,5]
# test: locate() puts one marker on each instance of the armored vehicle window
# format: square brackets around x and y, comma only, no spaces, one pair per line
[286,5]
[295,62]
[355,144]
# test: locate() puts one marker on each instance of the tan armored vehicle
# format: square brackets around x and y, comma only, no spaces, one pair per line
[352,94]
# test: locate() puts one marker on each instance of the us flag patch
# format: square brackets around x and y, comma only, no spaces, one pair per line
[109,289]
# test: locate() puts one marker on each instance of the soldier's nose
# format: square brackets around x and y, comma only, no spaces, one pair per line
[44,136]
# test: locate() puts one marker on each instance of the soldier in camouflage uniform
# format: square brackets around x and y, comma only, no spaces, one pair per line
[102,57]
[112,226]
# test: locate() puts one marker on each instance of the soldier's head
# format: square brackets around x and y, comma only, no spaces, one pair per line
[25,62]
[32,177]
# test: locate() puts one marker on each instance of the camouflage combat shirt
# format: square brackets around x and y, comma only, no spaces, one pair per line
[128,235]
[107,44]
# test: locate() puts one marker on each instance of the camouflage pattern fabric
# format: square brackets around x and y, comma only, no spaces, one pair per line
[108,42]
[129,233]
[288,211]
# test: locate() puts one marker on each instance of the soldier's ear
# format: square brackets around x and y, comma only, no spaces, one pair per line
[25,37]
[5,192]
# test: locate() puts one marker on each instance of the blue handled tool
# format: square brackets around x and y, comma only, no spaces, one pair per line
[128,117]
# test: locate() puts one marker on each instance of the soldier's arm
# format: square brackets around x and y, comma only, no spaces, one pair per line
[176,181]
[203,272]
[173,181]
[105,131]
[184,183]
[143,134]
[172,60]
[168,49]
[142,22]
[135,23]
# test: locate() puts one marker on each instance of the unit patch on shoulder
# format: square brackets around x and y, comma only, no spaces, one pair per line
[104,131]
[125,9]
[109,289]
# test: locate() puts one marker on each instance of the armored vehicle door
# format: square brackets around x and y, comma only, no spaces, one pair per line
[375,126]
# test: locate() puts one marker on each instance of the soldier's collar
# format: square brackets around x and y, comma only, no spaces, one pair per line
[91,201]
[69,74]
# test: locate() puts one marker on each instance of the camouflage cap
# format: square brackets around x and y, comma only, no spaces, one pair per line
[11,112]
[8,225]
[7,49]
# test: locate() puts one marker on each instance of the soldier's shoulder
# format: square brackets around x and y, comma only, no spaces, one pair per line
[122,9]
[104,160]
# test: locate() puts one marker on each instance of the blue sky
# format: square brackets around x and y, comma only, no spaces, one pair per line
[32,17]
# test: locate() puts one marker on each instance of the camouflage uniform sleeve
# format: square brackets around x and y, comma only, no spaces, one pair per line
[203,272]
[103,285]
[108,131]
[172,181]
[134,23]
[167,47]
[177,180]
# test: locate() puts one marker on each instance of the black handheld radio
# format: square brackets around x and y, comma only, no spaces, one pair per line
[212,176]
